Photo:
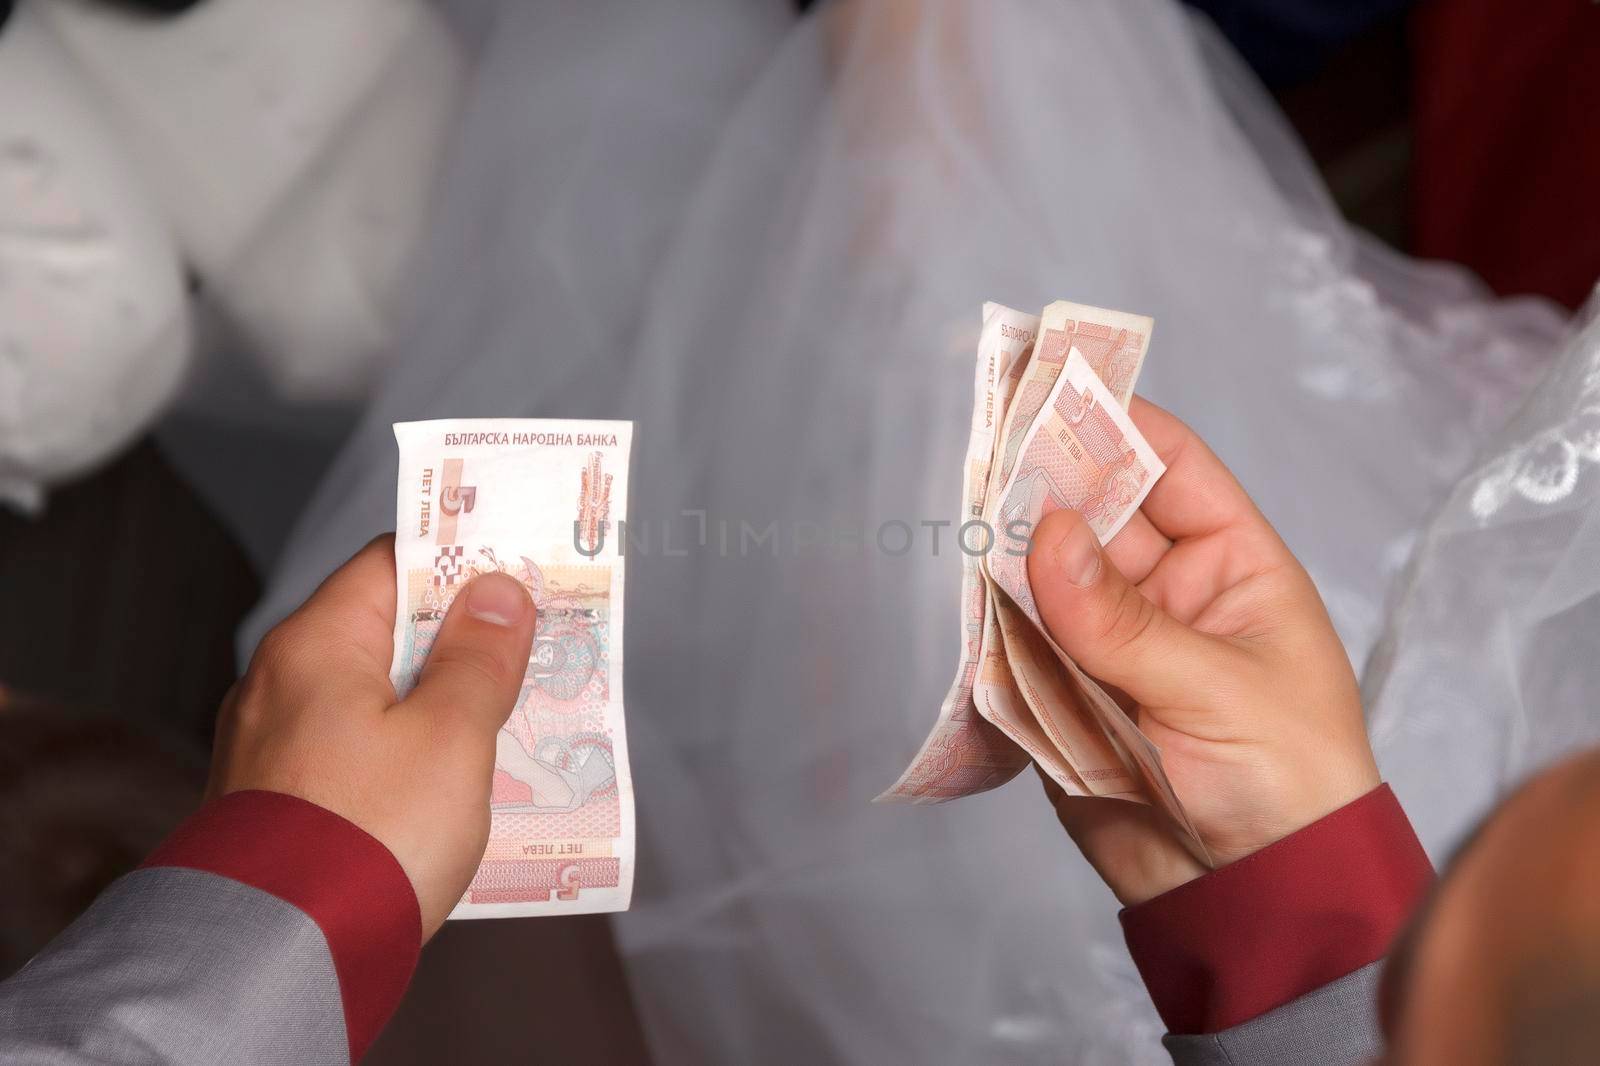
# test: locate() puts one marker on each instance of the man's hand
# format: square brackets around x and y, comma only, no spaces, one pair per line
[1201,617]
[316,717]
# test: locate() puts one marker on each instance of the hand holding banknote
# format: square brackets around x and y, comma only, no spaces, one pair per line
[1198,613]
[315,717]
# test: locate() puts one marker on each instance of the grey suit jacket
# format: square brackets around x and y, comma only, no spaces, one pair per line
[178,966]
[1337,1025]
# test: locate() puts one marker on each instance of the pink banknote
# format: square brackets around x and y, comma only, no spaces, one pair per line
[538,500]
[1024,684]
[1083,452]
[1061,470]
[1008,681]
[964,752]
[1112,342]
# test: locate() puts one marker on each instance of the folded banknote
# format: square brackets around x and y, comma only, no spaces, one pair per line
[1050,430]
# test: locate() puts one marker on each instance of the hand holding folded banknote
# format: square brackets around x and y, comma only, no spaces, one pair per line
[455,689]
[315,717]
[1199,614]
[1131,624]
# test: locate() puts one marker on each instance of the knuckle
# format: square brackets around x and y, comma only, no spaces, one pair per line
[254,691]
[277,675]
[470,665]
[1130,620]
[249,715]
[275,655]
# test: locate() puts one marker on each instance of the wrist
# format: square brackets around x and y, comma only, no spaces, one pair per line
[1321,790]
[1129,845]
[1296,790]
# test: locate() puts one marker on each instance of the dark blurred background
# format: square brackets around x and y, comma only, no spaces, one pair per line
[1458,130]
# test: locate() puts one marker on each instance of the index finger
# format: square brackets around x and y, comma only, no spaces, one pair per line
[1198,494]
[354,606]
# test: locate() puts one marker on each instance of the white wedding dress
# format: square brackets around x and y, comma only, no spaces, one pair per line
[767,242]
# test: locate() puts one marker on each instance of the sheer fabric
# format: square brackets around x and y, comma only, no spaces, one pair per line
[1486,672]
[767,243]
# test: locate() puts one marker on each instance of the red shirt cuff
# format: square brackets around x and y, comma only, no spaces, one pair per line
[338,874]
[1251,936]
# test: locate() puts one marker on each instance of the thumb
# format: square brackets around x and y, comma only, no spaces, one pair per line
[476,666]
[1109,627]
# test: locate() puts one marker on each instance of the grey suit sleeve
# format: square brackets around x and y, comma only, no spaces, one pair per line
[178,966]
[1337,1025]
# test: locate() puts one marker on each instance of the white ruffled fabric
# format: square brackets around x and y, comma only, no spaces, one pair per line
[282,155]
[1486,672]
[767,243]
[95,334]
[292,150]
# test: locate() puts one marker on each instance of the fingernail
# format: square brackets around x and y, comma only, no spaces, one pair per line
[497,599]
[1078,555]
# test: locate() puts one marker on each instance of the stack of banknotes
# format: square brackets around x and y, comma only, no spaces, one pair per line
[1050,429]
[539,500]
